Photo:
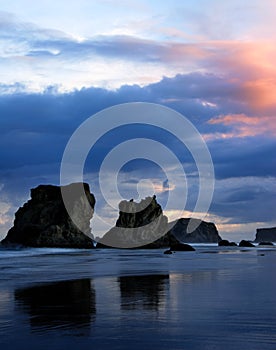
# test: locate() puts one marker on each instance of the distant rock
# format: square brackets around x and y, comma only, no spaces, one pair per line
[266,234]
[266,243]
[205,232]
[179,247]
[182,247]
[44,222]
[247,244]
[140,225]
[226,243]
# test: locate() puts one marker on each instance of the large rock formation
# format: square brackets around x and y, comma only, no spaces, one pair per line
[140,225]
[43,221]
[144,225]
[266,234]
[204,232]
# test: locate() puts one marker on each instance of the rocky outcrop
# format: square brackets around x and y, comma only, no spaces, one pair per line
[266,244]
[181,247]
[43,221]
[244,243]
[266,234]
[226,243]
[143,225]
[204,232]
[140,225]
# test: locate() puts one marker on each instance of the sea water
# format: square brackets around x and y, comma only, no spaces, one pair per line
[213,298]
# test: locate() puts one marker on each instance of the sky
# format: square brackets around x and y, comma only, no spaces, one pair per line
[211,61]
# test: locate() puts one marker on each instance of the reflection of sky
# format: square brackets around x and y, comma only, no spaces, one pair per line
[191,299]
[5,298]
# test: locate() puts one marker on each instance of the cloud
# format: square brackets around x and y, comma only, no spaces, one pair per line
[4,208]
[249,65]
[242,125]
[39,57]
[243,198]
[215,67]
[35,127]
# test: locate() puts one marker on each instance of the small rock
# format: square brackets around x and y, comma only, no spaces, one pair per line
[266,243]
[247,244]
[182,247]
[226,243]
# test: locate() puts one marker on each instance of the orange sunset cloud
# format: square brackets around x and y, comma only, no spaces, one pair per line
[251,66]
[244,126]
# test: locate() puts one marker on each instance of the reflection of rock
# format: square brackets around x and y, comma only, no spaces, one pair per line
[44,222]
[226,243]
[266,234]
[247,244]
[205,232]
[142,292]
[68,305]
[131,230]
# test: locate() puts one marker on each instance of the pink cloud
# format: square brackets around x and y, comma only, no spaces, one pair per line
[242,125]
[249,65]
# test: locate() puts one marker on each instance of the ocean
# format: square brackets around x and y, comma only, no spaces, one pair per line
[213,298]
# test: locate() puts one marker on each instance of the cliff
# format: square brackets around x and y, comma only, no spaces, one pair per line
[44,222]
[266,235]
[205,232]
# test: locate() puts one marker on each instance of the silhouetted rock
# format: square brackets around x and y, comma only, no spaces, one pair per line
[204,232]
[266,235]
[247,244]
[143,225]
[266,243]
[43,221]
[182,247]
[140,225]
[168,251]
[226,243]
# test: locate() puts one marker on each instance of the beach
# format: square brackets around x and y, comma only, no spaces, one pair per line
[213,298]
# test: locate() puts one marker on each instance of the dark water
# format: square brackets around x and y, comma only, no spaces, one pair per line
[213,298]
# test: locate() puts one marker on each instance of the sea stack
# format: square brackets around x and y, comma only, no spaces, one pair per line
[201,231]
[43,221]
[266,235]
[140,225]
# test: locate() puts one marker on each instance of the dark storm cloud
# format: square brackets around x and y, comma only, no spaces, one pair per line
[36,127]
[34,130]
[245,200]
[246,157]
